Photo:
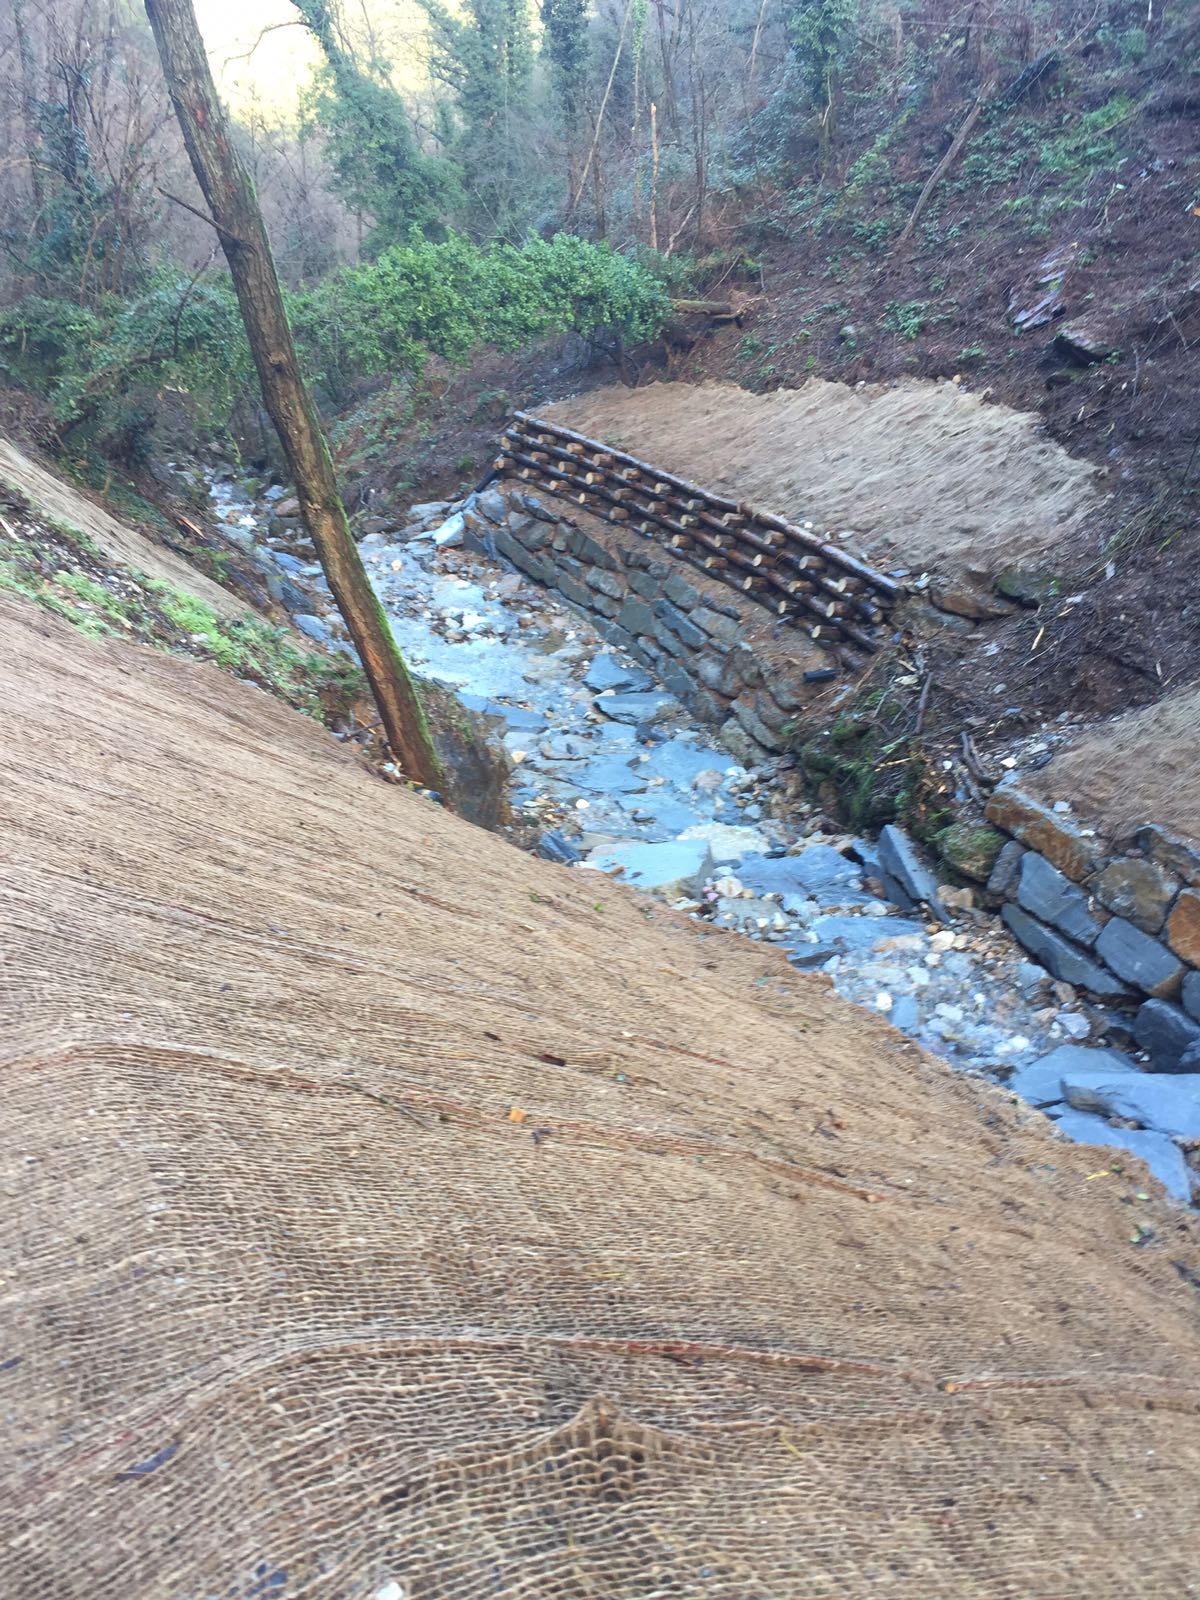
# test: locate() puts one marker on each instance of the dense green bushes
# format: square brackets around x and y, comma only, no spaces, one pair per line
[103,368]
[452,298]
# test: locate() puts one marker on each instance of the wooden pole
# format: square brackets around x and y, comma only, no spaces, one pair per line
[235,215]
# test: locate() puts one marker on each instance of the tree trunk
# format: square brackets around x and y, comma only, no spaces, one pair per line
[239,225]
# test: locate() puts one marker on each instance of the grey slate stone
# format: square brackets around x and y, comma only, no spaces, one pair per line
[590,550]
[680,592]
[1003,881]
[288,562]
[575,592]
[1161,1155]
[631,708]
[643,584]
[675,868]
[680,624]
[899,859]
[513,550]
[1191,995]
[1165,1033]
[905,1014]
[1042,1082]
[718,673]
[1139,959]
[606,582]
[681,684]
[845,934]
[636,617]
[534,535]
[1050,896]
[753,724]
[493,505]
[1062,958]
[818,870]
[616,635]
[312,626]
[726,629]
[669,642]
[555,846]
[1167,1102]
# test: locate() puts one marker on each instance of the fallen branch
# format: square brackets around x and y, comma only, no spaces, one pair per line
[947,161]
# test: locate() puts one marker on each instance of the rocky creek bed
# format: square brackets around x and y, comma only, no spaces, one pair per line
[613,776]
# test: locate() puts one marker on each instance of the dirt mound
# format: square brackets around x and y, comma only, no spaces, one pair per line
[919,473]
[391,1214]
[1143,767]
[58,502]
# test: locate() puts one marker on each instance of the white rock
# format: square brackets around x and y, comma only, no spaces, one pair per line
[883,1001]
[1073,1024]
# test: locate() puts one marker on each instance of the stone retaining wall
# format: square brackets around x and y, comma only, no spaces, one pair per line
[1121,922]
[717,654]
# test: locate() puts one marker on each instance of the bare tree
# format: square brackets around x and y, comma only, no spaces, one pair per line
[239,226]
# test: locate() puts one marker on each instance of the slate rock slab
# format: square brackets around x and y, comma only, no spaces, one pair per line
[633,708]
[728,842]
[1161,1155]
[817,870]
[555,846]
[1050,896]
[606,672]
[1165,1033]
[1042,1081]
[673,869]
[1139,959]
[1165,1102]
[899,859]
[847,935]
[608,774]
[1060,957]
[679,761]
[312,626]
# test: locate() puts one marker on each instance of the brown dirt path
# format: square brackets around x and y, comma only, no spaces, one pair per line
[920,473]
[386,1207]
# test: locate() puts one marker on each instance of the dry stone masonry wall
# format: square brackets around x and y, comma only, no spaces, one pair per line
[716,651]
[1119,920]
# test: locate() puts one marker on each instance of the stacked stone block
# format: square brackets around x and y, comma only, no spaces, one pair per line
[1122,924]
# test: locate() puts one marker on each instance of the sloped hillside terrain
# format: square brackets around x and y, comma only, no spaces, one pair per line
[389,1213]
[920,475]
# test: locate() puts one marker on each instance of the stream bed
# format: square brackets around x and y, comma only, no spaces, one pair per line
[612,775]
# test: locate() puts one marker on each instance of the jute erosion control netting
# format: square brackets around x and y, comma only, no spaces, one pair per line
[388,1213]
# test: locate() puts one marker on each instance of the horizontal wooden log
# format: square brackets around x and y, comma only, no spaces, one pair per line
[732,565]
[841,558]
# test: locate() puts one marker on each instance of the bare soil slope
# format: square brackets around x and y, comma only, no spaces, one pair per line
[58,502]
[1143,767]
[388,1213]
[920,473]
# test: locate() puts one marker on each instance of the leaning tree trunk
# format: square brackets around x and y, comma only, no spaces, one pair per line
[239,224]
